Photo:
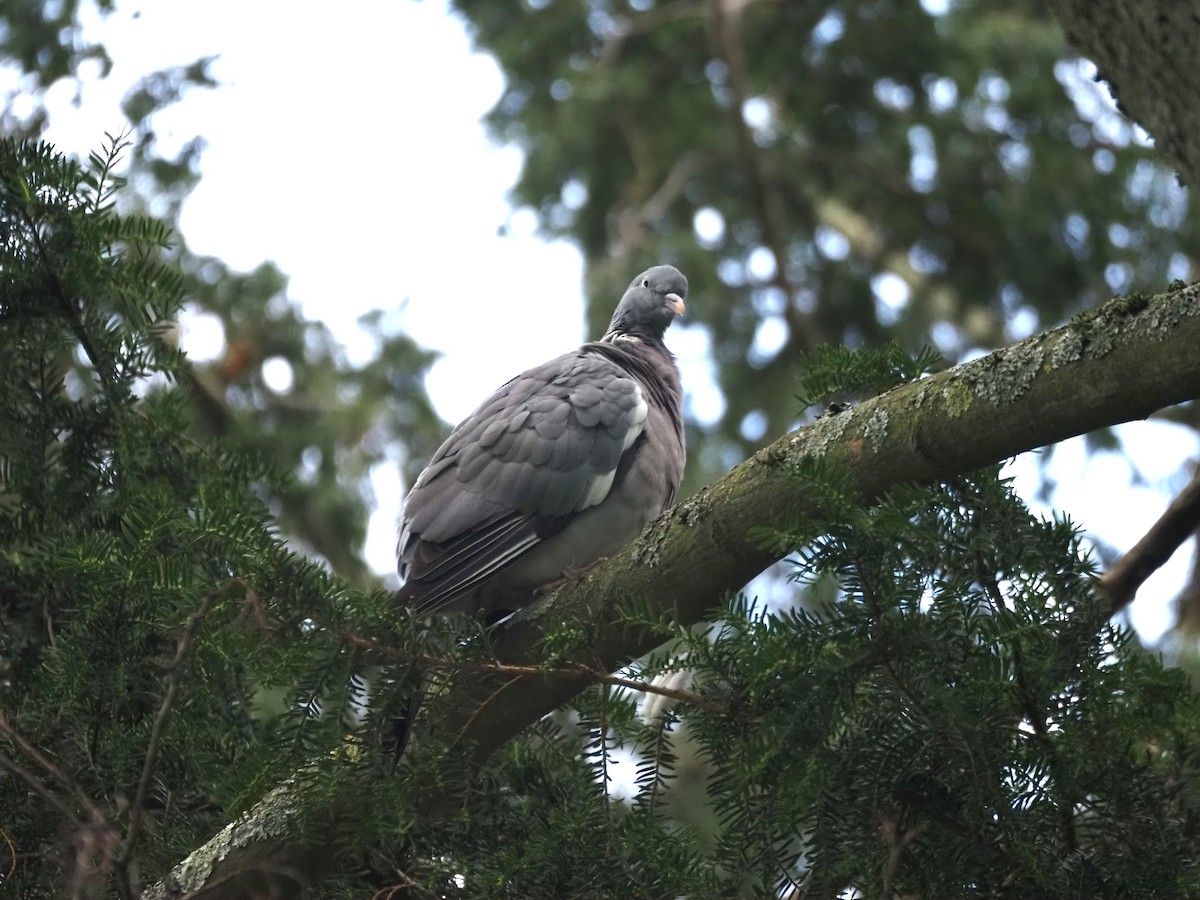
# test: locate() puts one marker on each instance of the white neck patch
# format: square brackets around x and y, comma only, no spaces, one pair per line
[614,337]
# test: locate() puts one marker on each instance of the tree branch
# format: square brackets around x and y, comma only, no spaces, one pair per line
[1121,582]
[32,752]
[1078,378]
[896,839]
[803,331]
[94,840]
[174,685]
[1087,375]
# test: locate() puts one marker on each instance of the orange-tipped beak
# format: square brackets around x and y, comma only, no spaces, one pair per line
[676,303]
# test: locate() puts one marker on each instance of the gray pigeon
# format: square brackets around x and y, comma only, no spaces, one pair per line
[562,466]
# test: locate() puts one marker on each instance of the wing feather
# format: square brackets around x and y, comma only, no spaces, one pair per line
[544,446]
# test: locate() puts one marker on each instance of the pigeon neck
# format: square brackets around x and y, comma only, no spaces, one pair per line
[617,336]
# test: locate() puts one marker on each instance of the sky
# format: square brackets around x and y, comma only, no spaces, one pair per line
[398,83]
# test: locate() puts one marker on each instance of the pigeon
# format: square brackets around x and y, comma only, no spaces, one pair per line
[562,466]
[559,468]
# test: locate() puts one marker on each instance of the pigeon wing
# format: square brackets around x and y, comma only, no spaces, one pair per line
[541,450]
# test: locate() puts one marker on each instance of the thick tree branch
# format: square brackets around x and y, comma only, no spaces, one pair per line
[1086,375]
[896,839]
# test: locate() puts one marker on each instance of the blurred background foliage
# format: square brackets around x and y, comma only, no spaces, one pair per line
[943,174]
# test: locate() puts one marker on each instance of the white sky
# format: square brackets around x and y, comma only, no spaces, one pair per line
[394,86]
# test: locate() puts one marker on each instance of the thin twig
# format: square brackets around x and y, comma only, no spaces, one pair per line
[94,838]
[654,18]
[1180,521]
[631,221]
[1034,712]
[57,774]
[602,728]
[70,311]
[36,785]
[174,684]
[644,687]
[393,891]
[491,698]
[12,855]
[579,671]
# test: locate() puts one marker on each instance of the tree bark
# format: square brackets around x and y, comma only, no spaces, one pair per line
[1146,51]
[1123,362]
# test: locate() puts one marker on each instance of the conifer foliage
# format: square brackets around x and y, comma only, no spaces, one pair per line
[147,607]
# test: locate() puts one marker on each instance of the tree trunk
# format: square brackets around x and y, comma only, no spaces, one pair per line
[1146,51]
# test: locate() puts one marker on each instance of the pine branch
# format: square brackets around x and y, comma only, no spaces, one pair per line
[1087,375]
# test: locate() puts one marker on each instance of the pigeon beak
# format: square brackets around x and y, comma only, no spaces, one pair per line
[676,303]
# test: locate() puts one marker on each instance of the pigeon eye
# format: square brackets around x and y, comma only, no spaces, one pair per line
[645,282]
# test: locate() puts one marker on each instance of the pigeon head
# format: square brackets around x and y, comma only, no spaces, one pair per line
[651,302]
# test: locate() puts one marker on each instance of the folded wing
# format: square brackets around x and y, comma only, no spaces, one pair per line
[543,449]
